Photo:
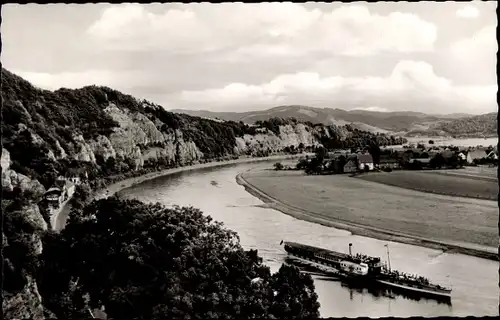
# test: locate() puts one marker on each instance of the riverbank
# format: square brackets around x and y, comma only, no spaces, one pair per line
[325,219]
[62,215]
[127,183]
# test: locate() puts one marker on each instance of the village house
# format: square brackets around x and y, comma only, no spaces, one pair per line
[476,154]
[53,196]
[365,160]
[62,190]
[389,163]
[350,166]
[462,156]
[447,154]
[433,152]
[420,162]
[493,154]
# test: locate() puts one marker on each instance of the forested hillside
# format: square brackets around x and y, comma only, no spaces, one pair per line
[47,132]
[102,135]
[482,125]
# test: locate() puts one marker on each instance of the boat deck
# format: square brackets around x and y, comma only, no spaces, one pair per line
[319,254]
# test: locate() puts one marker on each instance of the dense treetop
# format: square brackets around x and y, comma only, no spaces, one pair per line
[148,261]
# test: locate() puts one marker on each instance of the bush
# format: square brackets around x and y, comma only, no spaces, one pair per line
[278,166]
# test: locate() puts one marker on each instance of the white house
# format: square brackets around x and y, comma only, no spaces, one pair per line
[365,160]
[475,155]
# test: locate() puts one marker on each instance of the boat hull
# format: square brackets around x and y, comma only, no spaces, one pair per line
[439,294]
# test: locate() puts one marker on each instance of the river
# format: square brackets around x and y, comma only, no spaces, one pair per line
[215,192]
[440,141]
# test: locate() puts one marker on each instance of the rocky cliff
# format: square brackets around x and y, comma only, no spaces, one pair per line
[102,132]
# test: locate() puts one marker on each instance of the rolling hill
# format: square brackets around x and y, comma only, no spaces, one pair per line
[400,122]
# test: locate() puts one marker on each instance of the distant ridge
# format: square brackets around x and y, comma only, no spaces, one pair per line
[399,122]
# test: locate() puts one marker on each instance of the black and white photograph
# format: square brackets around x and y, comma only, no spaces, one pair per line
[232,160]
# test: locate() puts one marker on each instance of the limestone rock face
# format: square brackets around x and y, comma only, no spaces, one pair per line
[103,147]
[83,151]
[170,146]
[153,135]
[290,135]
[134,129]
[60,152]
[186,150]
[25,303]
[12,179]
[5,159]
[295,135]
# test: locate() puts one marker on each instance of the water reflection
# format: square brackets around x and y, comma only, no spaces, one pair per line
[474,281]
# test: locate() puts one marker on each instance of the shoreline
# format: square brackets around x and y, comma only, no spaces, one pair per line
[362,230]
[130,182]
[116,187]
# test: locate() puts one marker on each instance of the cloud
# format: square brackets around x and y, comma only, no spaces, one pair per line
[265,29]
[467,12]
[411,85]
[374,108]
[72,80]
[483,44]
[476,56]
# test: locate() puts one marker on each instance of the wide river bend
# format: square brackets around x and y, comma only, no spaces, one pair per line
[216,192]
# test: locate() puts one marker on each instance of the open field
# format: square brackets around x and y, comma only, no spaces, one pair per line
[380,211]
[459,183]
[490,173]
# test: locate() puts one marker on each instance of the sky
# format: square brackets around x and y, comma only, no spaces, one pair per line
[432,57]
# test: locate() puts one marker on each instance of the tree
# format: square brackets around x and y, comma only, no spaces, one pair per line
[110,164]
[374,151]
[437,162]
[278,166]
[81,196]
[320,154]
[342,160]
[301,164]
[431,141]
[148,261]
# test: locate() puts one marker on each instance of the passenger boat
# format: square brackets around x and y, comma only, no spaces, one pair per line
[364,269]
[334,262]
[410,283]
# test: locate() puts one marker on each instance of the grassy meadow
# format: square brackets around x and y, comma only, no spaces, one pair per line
[459,183]
[345,199]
